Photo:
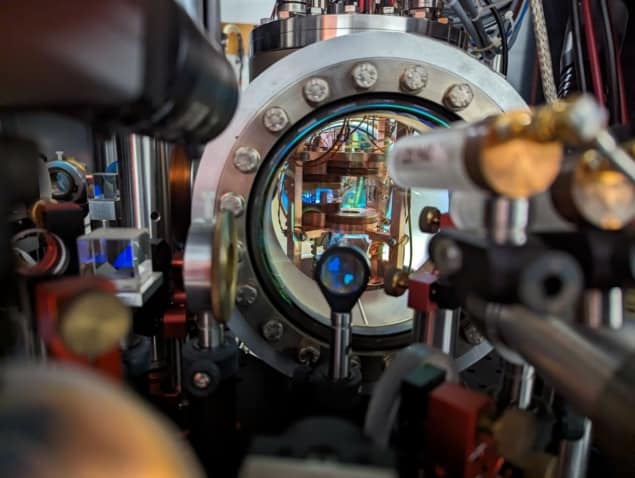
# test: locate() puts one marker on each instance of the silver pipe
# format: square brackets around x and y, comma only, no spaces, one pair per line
[438,330]
[518,385]
[508,220]
[603,308]
[210,333]
[574,455]
[341,335]
[214,27]
[144,181]
[598,381]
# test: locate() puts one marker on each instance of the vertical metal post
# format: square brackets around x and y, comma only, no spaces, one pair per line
[341,335]
[438,329]
[574,455]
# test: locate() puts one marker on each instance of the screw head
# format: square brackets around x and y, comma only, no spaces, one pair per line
[201,380]
[471,333]
[316,90]
[272,330]
[309,355]
[246,159]
[414,78]
[365,75]
[430,220]
[458,97]
[275,119]
[234,203]
[246,295]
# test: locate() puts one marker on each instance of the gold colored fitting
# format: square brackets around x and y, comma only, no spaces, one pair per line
[520,168]
[224,268]
[603,195]
[396,282]
[94,323]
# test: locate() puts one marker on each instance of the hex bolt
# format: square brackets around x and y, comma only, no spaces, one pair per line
[272,330]
[458,97]
[246,159]
[471,333]
[316,90]
[430,220]
[414,78]
[447,256]
[234,203]
[365,75]
[276,119]
[309,355]
[246,295]
[201,380]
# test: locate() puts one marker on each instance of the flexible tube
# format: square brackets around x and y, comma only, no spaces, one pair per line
[611,63]
[543,51]
[384,404]
[592,49]
[578,50]
[459,11]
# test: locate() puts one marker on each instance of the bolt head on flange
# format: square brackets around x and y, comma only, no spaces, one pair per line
[201,380]
[272,330]
[316,90]
[414,78]
[275,119]
[246,159]
[246,295]
[233,203]
[365,75]
[458,97]
[430,220]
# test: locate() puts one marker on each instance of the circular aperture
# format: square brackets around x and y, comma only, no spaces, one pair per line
[342,274]
[326,184]
[62,184]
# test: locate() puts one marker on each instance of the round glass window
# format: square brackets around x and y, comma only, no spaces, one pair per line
[328,185]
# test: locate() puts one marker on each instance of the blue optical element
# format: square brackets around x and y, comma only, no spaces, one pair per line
[342,274]
[125,259]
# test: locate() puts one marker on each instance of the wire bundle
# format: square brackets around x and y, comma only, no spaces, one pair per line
[591,48]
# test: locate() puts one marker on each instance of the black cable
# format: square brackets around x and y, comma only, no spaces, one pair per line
[501,30]
[611,62]
[578,47]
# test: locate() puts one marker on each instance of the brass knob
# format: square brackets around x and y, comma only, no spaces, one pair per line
[395,282]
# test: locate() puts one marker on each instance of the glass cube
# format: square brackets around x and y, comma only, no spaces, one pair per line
[103,186]
[122,255]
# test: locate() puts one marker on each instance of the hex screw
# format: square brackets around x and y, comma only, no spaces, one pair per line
[365,75]
[316,90]
[272,330]
[414,78]
[458,96]
[201,380]
[246,295]
[276,119]
[234,203]
[246,159]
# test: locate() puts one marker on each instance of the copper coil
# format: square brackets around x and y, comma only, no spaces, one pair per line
[352,220]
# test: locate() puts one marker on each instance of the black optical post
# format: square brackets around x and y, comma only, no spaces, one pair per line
[342,274]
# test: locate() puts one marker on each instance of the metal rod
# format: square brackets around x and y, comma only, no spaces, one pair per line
[341,335]
[438,329]
[210,333]
[507,220]
[518,385]
[574,455]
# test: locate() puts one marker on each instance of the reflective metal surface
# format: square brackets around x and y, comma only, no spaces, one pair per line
[271,41]
[332,60]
